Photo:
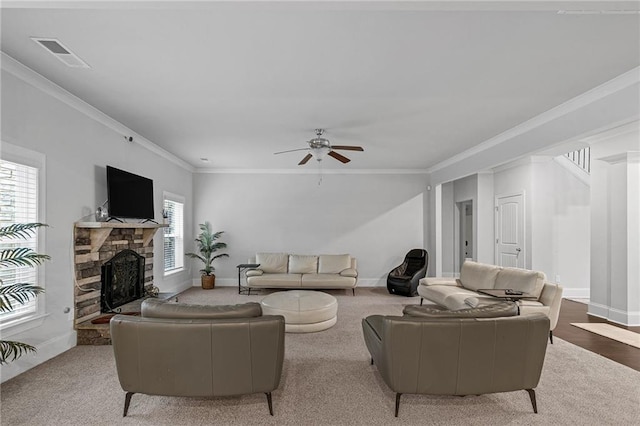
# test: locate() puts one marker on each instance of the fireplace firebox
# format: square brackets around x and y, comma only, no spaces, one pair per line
[122,280]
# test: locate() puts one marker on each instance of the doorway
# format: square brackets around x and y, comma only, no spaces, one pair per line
[465,239]
[510,230]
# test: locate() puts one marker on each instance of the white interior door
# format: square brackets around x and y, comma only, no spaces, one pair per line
[510,231]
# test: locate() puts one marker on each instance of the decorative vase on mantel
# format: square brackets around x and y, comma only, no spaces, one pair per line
[208,281]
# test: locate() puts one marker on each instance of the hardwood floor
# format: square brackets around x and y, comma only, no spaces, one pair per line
[571,311]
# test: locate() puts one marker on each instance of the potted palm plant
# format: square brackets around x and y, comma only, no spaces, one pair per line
[17,293]
[207,246]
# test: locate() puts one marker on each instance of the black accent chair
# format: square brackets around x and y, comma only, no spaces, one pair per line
[404,279]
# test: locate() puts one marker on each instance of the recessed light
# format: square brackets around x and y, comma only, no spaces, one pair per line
[204,160]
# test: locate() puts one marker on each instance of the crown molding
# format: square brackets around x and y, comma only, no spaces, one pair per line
[624,157]
[621,130]
[313,171]
[612,86]
[29,76]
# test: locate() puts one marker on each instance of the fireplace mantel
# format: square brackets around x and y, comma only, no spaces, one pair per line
[101,230]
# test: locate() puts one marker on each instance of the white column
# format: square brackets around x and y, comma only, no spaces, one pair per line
[615,229]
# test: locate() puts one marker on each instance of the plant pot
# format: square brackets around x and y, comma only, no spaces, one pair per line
[208,281]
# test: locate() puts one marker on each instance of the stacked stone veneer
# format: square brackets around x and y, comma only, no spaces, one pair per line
[89,260]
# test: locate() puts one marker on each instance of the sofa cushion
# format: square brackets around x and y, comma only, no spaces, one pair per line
[445,295]
[333,263]
[303,264]
[157,308]
[499,309]
[438,281]
[275,280]
[327,281]
[475,276]
[530,282]
[273,263]
[480,300]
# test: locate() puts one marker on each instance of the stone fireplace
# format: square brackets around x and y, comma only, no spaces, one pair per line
[97,245]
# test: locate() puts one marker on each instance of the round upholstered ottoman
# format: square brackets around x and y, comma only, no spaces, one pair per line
[304,311]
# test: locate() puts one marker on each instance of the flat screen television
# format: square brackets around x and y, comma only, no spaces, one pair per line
[129,195]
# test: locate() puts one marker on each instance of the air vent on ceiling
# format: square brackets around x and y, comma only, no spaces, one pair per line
[64,54]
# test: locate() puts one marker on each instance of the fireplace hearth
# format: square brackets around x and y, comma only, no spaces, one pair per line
[122,280]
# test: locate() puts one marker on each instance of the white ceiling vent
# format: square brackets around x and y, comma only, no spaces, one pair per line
[61,52]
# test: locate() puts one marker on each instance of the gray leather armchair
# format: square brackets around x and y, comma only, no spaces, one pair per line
[440,355]
[197,350]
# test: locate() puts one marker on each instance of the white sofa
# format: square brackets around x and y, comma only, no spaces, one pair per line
[456,294]
[282,270]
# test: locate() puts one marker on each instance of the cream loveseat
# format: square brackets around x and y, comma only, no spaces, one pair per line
[462,293]
[282,270]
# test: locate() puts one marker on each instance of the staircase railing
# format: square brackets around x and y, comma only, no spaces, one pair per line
[581,158]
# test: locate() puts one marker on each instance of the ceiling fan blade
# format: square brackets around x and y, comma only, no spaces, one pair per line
[347,147]
[291,150]
[339,157]
[305,159]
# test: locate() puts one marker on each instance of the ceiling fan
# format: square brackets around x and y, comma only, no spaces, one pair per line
[320,147]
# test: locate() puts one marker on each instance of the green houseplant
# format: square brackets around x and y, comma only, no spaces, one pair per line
[19,293]
[207,246]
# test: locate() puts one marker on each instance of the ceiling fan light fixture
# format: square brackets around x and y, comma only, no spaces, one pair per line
[320,152]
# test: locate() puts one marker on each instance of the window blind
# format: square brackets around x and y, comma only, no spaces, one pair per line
[18,204]
[174,236]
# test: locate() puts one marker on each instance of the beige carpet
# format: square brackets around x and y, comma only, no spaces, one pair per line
[611,331]
[327,380]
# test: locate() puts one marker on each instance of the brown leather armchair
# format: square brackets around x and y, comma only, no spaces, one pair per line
[196,350]
[439,355]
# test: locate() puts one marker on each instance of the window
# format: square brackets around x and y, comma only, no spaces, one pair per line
[20,193]
[173,211]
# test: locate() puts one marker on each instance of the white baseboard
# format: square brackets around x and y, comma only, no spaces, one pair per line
[576,293]
[178,288]
[233,282]
[45,351]
[220,282]
[618,316]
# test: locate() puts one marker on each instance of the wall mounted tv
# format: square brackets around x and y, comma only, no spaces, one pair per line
[129,195]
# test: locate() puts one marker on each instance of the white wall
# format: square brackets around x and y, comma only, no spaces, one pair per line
[484,219]
[615,213]
[376,218]
[447,252]
[77,149]
[560,207]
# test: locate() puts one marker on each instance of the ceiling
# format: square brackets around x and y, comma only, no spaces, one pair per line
[414,83]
